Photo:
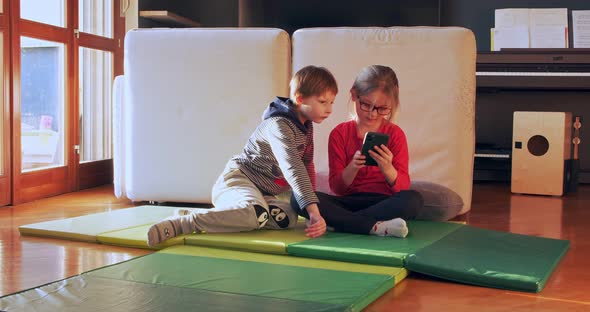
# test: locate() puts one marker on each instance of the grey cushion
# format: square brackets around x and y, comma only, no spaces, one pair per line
[440,202]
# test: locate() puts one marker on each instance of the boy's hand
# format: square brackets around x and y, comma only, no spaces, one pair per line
[316,226]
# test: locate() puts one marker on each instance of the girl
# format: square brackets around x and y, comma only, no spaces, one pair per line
[373,199]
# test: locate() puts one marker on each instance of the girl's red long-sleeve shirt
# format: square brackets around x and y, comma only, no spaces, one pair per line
[342,145]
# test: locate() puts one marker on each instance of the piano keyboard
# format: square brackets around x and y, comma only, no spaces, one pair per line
[537,74]
[478,155]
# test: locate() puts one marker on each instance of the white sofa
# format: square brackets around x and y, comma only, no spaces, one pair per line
[190,98]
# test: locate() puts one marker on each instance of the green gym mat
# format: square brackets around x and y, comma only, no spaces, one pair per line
[86,228]
[490,258]
[262,275]
[87,293]
[264,241]
[370,249]
[209,279]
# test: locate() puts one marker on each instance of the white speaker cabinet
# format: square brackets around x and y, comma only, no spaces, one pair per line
[541,152]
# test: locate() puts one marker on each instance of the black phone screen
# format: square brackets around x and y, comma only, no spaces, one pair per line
[371,140]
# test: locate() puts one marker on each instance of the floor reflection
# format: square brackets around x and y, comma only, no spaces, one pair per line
[536,215]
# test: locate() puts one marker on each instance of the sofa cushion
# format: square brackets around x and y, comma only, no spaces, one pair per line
[440,202]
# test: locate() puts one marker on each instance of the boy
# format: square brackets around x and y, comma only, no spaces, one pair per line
[277,157]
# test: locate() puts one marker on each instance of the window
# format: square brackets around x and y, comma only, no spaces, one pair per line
[96,17]
[42,103]
[50,12]
[96,80]
[63,61]
[2,146]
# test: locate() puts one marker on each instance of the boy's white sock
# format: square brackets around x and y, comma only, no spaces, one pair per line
[169,228]
[395,227]
[182,211]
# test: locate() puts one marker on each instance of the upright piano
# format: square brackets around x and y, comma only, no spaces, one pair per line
[561,69]
[527,70]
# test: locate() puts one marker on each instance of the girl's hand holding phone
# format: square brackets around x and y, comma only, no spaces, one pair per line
[358,160]
[384,157]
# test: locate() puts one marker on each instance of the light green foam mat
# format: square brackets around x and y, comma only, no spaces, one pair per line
[264,241]
[86,228]
[491,258]
[135,237]
[398,273]
[208,279]
[371,249]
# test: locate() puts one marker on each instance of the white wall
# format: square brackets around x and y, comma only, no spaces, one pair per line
[131,15]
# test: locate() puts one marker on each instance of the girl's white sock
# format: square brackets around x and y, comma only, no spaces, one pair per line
[395,227]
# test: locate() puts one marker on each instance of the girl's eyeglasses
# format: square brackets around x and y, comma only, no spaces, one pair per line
[367,107]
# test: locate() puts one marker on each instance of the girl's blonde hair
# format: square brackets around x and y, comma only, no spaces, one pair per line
[312,80]
[378,77]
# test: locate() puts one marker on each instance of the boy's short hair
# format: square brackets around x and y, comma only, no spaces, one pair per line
[312,80]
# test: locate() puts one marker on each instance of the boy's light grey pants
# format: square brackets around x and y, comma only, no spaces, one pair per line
[241,206]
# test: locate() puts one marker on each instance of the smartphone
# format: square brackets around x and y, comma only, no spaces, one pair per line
[371,140]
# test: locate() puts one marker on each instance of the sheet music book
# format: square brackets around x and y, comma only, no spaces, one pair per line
[530,28]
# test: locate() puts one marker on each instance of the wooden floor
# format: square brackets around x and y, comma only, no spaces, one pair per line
[30,261]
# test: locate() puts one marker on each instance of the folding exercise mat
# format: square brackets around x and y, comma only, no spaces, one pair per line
[490,258]
[390,251]
[86,228]
[446,250]
[263,241]
[136,237]
[208,279]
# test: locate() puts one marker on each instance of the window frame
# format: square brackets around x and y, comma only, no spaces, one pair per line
[73,176]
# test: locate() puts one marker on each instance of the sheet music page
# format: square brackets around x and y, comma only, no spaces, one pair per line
[555,17]
[548,28]
[511,29]
[511,18]
[548,36]
[510,37]
[581,28]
